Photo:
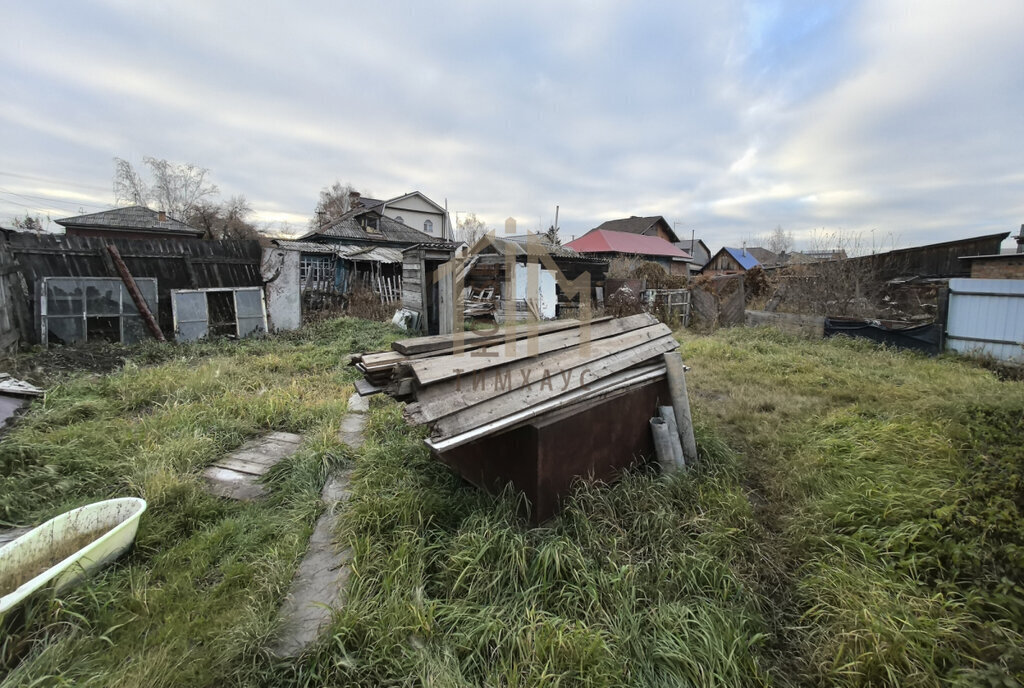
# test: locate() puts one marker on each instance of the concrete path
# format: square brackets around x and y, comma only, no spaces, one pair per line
[319,585]
[237,475]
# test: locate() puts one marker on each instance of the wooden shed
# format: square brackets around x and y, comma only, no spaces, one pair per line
[427,286]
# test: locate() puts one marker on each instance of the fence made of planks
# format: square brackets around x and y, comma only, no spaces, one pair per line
[718,302]
[13,311]
[175,263]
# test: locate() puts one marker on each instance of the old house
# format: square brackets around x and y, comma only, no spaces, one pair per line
[530,272]
[363,245]
[414,210]
[655,226]
[607,244]
[133,222]
[730,261]
[698,250]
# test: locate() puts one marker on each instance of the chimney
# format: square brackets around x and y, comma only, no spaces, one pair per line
[353,198]
[1020,240]
[162,216]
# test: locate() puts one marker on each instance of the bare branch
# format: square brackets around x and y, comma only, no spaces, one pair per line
[129,188]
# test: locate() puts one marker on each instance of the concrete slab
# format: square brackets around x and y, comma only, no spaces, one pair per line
[336,488]
[319,584]
[352,426]
[358,404]
[236,475]
[224,482]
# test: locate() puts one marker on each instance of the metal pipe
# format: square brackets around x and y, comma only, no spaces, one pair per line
[668,414]
[681,404]
[663,445]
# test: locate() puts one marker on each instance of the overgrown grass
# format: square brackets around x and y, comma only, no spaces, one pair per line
[855,521]
[891,484]
[632,585]
[194,602]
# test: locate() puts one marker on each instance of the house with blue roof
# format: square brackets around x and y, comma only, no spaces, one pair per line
[731,261]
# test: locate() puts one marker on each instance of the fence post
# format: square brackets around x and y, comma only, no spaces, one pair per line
[941,314]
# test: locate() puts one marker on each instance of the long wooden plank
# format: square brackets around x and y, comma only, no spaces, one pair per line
[373,360]
[557,368]
[550,388]
[609,387]
[430,371]
[472,340]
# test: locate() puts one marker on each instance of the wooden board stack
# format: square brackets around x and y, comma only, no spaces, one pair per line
[474,384]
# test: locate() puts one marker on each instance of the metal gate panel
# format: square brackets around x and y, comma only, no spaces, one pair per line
[986,316]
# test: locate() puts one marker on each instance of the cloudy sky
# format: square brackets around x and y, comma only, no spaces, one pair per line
[897,123]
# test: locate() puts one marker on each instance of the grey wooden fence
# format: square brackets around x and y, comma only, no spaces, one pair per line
[176,264]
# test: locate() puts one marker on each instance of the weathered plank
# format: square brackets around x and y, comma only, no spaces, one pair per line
[476,339]
[382,358]
[430,371]
[550,388]
[563,368]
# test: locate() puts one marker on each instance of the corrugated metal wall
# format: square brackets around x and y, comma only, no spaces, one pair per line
[986,316]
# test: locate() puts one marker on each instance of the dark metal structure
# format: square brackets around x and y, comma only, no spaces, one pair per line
[589,441]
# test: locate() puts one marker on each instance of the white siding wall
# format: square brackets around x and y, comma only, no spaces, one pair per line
[414,211]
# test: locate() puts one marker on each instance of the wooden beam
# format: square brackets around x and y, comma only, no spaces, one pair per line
[430,371]
[473,340]
[528,381]
[133,291]
[608,387]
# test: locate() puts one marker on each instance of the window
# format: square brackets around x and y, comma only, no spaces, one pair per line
[315,271]
[220,312]
[398,218]
[428,226]
[80,309]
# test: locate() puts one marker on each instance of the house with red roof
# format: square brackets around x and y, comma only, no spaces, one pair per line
[603,243]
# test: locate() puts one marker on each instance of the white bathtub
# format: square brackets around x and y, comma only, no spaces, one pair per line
[112,523]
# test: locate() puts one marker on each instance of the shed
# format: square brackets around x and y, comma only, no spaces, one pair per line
[996,266]
[729,261]
[427,286]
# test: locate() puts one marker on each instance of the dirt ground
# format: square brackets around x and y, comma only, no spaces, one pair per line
[40,366]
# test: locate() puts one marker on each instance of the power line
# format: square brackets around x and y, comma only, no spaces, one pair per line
[47,199]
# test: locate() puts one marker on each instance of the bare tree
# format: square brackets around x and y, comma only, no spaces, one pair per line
[471,228]
[335,200]
[176,188]
[779,241]
[129,187]
[28,223]
[226,220]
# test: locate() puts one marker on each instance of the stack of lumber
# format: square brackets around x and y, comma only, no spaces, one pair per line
[473,384]
[480,302]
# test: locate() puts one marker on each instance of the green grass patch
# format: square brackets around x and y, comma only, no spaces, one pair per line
[856,520]
[891,485]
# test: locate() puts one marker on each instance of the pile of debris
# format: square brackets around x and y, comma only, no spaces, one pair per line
[469,385]
[480,302]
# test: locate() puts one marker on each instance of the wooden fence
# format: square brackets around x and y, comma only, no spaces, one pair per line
[175,263]
[13,311]
[718,302]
